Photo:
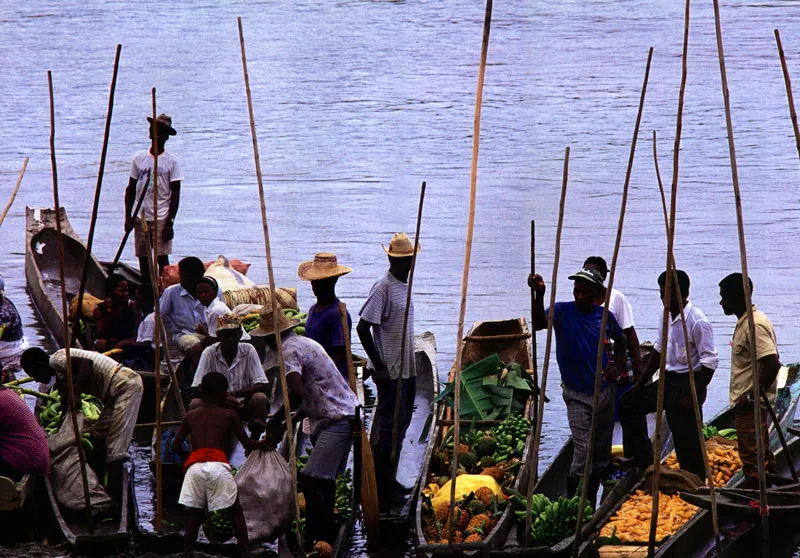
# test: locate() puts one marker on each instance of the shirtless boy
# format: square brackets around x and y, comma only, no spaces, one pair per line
[209,478]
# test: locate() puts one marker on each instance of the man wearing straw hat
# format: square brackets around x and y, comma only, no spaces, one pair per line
[324,323]
[240,365]
[170,176]
[318,391]
[577,328]
[380,330]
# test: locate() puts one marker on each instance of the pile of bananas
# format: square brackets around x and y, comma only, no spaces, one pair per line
[551,521]
[51,416]
[344,495]
[511,435]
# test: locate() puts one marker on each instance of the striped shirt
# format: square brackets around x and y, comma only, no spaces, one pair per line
[103,369]
[384,309]
[23,444]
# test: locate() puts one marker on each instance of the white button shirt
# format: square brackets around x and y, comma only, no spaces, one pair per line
[244,372]
[701,342]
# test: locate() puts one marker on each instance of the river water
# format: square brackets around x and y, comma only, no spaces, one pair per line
[358,102]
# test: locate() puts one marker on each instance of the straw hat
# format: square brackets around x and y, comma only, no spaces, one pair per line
[266,327]
[400,246]
[164,120]
[228,321]
[324,266]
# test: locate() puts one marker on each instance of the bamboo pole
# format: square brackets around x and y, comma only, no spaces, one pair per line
[398,392]
[98,186]
[369,484]
[668,284]
[275,308]
[789,96]
[157,332]
[122,243]
[65,316]
[473,190]
[587,468]
[533,475]
[762,488]
[692,384]
[14,192]
[534,352]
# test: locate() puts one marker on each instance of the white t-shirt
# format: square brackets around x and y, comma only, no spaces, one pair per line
[621,308]
[214,310]
[169,170]
[147,330]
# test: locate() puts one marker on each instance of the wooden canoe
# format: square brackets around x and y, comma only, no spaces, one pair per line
[14,495]
[510,340]
[42,267]
[107,537]
[697,534]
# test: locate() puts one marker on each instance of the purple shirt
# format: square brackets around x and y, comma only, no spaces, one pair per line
[23,444]
[324,325]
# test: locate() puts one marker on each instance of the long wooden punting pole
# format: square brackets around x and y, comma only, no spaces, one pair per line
[533,474]
[14,192]
[399,390]
[790,97]
[274,299]
[98,186]
[368,485]
[157,332]
[73,413]
[751,325]
[534,352]
[587,469]
[692,384]
[473,190]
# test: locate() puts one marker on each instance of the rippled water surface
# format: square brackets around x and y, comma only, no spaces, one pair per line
[358,102]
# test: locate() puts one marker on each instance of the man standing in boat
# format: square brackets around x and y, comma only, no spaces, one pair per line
[577,328]
[140,184]
[732,300]
[119,388]
[317,390]
[380,330]
[324,323]
[240,365]
[641,400]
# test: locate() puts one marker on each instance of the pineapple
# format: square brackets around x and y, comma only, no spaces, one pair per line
[480,521]
[484,494]
[496,473]
[441,510]
[323,549]
[473,538]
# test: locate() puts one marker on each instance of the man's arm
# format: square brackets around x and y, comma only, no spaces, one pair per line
[294,382]
[174,203]
[365,335]
[634,349]
[130,199]
[769,366]
[536,283]
[180,436]
[255,388]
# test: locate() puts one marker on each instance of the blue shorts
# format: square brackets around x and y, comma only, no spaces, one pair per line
[329,457]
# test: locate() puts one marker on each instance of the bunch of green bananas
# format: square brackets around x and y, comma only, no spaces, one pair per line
[292,313]
[344,495]
[511,435]
[51,415]
[551,521]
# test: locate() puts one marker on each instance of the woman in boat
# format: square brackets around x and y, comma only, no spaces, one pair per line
[208,294]
[12,343]
[116,318]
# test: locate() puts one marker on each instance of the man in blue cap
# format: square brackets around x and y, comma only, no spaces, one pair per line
[577,328]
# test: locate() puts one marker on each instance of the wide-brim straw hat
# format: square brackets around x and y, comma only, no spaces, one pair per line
[267,324]
[401,246]
[324,266]
[164,121]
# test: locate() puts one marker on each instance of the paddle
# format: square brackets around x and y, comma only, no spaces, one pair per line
[534,355]
[473,191]
[399,391]
[762,482]
[369,485]
[65,316]
[587,468]
[273,296]
[14,192]
[692,386]
[789,95]
[90,239]
[778,431]
[533,474]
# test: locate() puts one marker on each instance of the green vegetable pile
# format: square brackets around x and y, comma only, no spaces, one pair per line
[252,321]
[219,523]
[490,390]
[51,415]
[709,431]
[344,495]
[551,521]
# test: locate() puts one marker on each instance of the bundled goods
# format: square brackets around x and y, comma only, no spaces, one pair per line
[723,460]
[631,523]
[551,521]
[490,390]
[494,453]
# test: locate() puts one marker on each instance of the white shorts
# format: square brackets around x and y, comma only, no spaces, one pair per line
[208,485]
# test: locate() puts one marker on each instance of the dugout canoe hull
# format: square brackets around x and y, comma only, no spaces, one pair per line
[42,271]
[106,538]
[510,340]
[14,495]
[697,533]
